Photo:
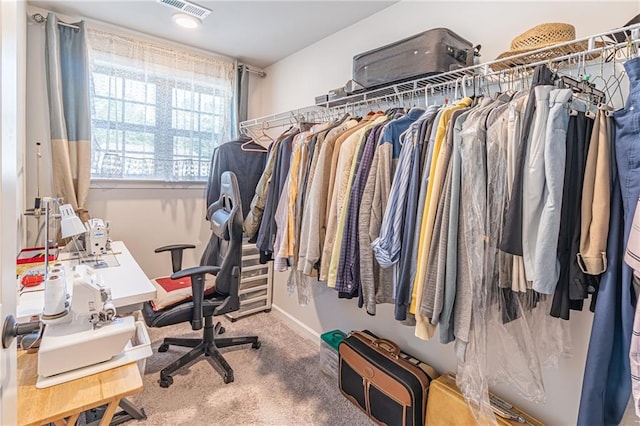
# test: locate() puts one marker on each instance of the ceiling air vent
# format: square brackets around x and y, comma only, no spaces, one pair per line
[187,7]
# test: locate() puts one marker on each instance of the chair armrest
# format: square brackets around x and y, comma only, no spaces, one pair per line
[196,270]
[176,254]
[197,289]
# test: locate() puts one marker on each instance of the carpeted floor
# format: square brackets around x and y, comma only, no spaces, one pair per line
[278,384]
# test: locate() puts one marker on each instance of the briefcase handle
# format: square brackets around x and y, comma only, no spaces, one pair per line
[387,345]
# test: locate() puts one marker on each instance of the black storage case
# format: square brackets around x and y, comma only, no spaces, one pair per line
[431,52]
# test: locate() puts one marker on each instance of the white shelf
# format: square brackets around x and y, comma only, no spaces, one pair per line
[570,52]
[255,278]
[253,289]
[252,268]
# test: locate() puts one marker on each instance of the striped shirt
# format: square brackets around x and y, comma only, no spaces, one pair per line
[387,246]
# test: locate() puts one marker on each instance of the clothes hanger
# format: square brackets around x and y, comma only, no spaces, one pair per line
[251,141]
[426,95]
[613,85]
[599,80]
[594,96]
[244,147]
[524,79]
[464,86]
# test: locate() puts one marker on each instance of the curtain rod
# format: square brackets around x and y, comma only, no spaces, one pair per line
[251,70]
[40,19]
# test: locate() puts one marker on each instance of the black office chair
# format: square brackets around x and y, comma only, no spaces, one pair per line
[222,258]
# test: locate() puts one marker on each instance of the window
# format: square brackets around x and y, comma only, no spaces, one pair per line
[157,112]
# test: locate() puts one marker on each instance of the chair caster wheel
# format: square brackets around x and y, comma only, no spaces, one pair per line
[228,378]
[163,347]
[166,381]
[222,330]
[256,345]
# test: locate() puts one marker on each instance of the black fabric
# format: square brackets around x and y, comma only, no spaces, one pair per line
[570,212]
[247,166]
[181,313]
[570,285]
[385,409]
[512,234]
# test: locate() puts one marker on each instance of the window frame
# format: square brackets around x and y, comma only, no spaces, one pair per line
[165,158]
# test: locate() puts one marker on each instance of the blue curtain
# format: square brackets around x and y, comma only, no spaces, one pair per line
[67,63]
[241,98]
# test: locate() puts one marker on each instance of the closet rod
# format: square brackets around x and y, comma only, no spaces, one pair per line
[282,118]
[575,50]
[41,19]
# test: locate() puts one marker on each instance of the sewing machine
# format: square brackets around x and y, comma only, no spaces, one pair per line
[96,237]
[93,240]
[81,325]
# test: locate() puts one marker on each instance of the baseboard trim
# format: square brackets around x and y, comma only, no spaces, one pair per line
[295,324]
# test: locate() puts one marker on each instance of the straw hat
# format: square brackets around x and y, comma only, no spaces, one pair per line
[542,36]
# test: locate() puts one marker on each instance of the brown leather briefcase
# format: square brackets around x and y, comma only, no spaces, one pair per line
[447,407]
[387,384]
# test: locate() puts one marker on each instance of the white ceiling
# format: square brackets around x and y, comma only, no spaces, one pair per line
[255,32]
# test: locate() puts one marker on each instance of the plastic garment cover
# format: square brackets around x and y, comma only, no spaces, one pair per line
[511,335]
[300,283]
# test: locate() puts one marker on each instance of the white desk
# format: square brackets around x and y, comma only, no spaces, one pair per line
[129,285]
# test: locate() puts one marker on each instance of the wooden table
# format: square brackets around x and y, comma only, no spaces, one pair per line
[68,400]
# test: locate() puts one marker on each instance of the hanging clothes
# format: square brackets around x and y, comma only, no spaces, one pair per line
[251,224]
[314,215]
[377,283]
[267,231]
[348,162]
[596,195]
[451,264]
[433,291]
[607,378]
[340,166]
[512,237]
[406,262]
[572,287]
[424,329]
[417,209]
[348,274]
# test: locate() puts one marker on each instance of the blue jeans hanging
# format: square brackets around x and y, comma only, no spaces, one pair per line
[606,387]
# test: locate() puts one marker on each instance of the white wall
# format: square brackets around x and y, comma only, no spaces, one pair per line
[146,218]
[294,81]
[255,95]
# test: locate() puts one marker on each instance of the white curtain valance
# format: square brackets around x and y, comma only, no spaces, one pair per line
[157,59]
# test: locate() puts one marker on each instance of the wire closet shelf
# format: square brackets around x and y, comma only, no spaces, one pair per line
[581,52]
